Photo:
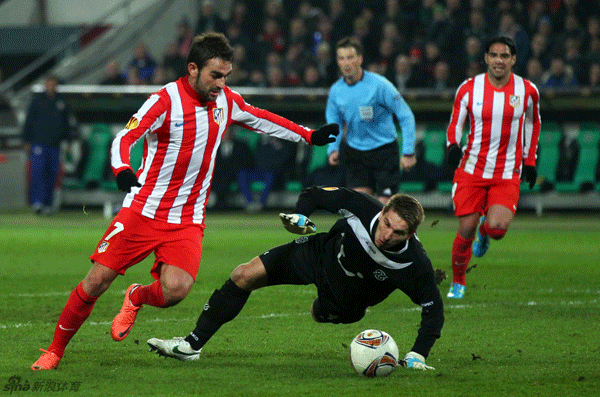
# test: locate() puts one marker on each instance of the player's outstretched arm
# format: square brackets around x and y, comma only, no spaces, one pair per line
[297,223]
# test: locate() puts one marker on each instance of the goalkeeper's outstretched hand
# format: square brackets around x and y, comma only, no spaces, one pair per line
[416,361]
[297,223]
[322,136]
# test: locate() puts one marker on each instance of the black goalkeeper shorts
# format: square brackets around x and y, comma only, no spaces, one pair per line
[300,263]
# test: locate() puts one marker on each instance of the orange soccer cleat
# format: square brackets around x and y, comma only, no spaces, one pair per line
[48,360]
[124,320]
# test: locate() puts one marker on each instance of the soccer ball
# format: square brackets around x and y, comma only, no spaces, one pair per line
[373,353]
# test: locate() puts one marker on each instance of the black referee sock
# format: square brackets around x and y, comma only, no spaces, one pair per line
[223,306]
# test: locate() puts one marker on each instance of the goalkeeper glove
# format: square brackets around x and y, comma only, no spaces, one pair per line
[297,223]
[530,175]
[126,179]
[321,136]
[416,361]
[454,155]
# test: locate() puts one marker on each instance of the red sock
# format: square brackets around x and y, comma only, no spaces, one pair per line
[148,295]
[496,234]
[461,255]
[76,311]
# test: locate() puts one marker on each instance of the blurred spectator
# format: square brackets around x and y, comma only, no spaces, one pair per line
[173,64]
[185,35]
[593,53]
[535,71]
[594,75]
[257,78]
[398,14]
[274,10]
[509,27]
[581,9]
[473,69]
[273,60]
[239,17]
[326,63]
[571,30]
[271,37]
[237,37]
[161,76]
[322,34]
[49,122]
[432,56]
[536,10]
[384,63]
[296,59]
[132,76]
[592,31]
[546,27]
[275,77]
[405,77]
[209,19]
[298,32]
[233,156]
[143,63]
[240,68]
[389,31]
[477,26]
[113,75]
[575,60]
[341,21]
[441,76]
[559,75]
[540,50]
[272,157]
[472,62]
[311,77]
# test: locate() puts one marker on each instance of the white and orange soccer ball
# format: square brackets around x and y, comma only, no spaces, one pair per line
[373,353]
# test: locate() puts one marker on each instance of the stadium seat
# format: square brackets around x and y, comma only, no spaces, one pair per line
[548,154]
[98,154]
[251,137]
[585,171]
[435,143]
[318,158]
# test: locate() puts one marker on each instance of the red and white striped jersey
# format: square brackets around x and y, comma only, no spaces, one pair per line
[182,135]
[504,126]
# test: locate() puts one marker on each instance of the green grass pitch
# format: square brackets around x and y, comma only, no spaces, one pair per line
[528,326]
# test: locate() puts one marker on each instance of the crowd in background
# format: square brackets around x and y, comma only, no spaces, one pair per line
[414,43]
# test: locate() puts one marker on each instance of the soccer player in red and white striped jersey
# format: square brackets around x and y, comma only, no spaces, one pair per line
[504,127]
[164,210]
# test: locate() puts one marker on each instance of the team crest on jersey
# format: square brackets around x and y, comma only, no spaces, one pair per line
[132,123]
[103,246]
[515,100]
[218,115]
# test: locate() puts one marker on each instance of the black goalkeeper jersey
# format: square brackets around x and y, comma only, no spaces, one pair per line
[360,274]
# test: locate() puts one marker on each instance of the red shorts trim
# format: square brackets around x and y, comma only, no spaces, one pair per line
[472,194]
[131,237]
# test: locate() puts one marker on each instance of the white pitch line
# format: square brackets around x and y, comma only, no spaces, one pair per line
[300,314]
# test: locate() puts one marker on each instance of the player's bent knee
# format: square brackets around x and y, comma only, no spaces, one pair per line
[174,291]
[249,276]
